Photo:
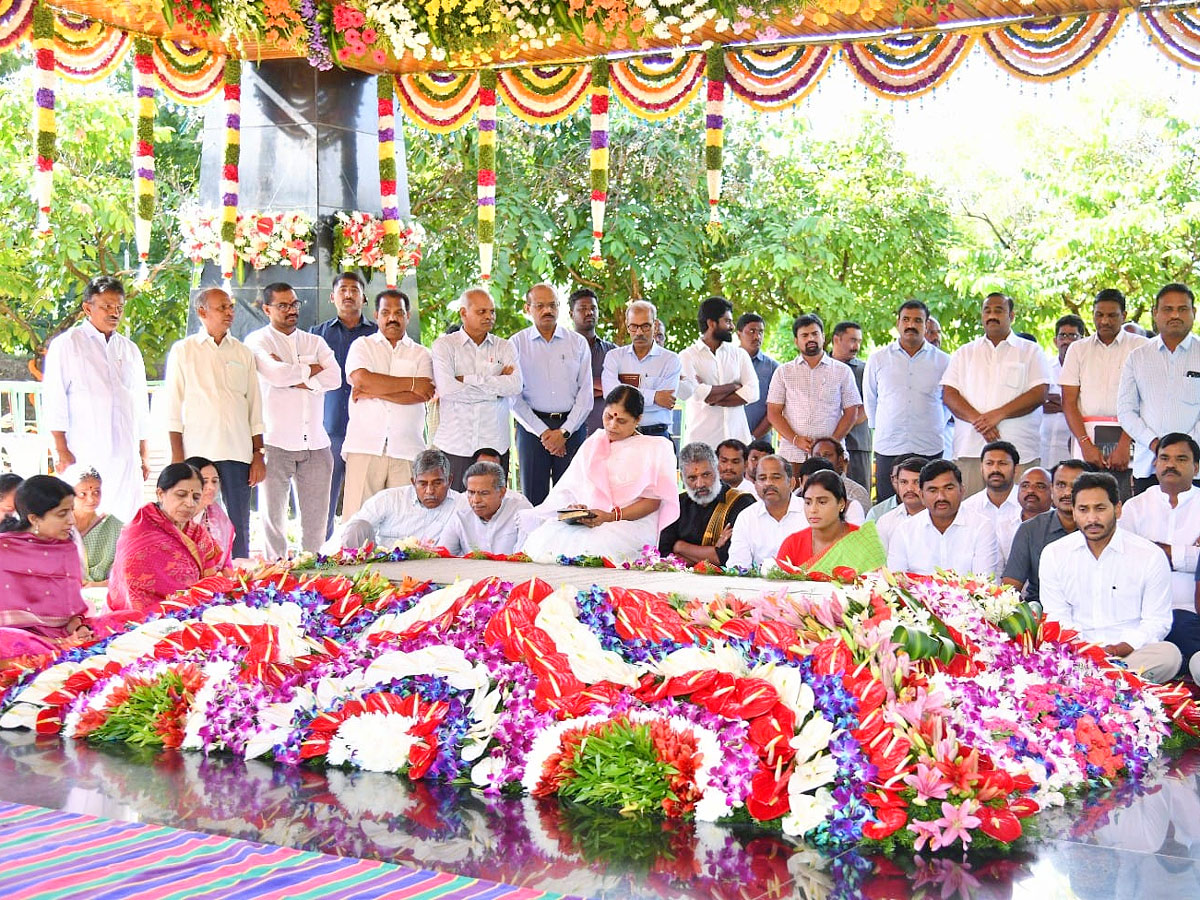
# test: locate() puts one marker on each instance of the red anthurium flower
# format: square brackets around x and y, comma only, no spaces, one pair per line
[536,590]
[819,576]
[738,629]
[891,819]
[755,697]
[845,574]
[1000,823]
[996,784]
[332,587]
[421,757]
[771,735]
[774,634]
[690,683]
[832,655]
[1024,807]
[768,797]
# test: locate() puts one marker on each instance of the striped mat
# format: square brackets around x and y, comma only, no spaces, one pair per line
[50,855]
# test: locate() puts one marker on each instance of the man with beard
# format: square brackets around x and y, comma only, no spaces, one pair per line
[995,387]
[1160,383]
[907,477]
[750,331]
[1021,570]
[943,536]
[761,528]
[295,370]
[1091,374]
[1169,515]
[722,377]
[419,510]
[585,309]
[707,510]
[998,504]
[1033,492]
[556,394]
[1110,585]
[392,379]
[812,396]
[731,466]
[902,392]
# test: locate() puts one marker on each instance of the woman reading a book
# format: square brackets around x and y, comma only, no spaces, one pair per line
[830,541]
[617,495]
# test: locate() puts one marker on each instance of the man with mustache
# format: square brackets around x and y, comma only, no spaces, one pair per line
[295,371]
[1169,515]
[647,367]
[213,408]
[906,475]
[488,522]
[1159,391]
[1021,570]
[812,396]
[731,466]
[902,391]
[96,406]
[844,347]
[761,528]
[1033,492]
[998,504]
[1091,374]
[585,310]
[1110,585]
[751,329]
[1056,433]
[392,380]
[708,509]
[995,387]
[856,495]
[943,536]
[722,377]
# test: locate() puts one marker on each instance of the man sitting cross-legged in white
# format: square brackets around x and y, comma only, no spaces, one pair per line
[1110,585]
[487,521]
[418,510]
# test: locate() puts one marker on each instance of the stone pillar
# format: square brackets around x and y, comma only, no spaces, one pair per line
[309,143]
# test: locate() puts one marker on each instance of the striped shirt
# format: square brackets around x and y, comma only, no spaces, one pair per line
[813,399]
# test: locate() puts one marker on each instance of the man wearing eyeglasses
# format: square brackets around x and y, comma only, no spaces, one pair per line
[295,371]
[644,365]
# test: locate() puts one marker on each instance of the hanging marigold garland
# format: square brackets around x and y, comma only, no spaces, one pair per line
[229,171]
[385,89]
[714,131]
[486,179]
[16,17]
[87,49]
[599,155]
[144,84]
[45,81]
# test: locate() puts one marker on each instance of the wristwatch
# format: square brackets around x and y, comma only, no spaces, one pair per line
[566,434]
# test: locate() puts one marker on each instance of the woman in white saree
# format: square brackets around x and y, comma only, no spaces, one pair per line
[626,482]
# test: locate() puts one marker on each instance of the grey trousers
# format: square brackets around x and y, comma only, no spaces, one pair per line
[312,471]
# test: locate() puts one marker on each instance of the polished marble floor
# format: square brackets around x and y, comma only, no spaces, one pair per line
[1136,841]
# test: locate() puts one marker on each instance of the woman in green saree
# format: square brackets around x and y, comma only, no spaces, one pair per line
[97,530]
[829,542]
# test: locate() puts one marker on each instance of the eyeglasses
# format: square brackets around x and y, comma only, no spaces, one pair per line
[641,329]
[287,307]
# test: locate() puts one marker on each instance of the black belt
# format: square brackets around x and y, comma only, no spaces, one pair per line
[654,429]
[552,417]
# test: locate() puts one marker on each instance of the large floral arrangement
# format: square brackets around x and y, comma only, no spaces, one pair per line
[926,714]
[260,239]
[358,242]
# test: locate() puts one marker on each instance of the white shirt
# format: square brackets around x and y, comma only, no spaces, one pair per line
[968,546]
[1056,435]
[713,424]
[94,390]
[211,396]
[380,427]
[903,397]
[1150,515]
[294,417]
[757,536]
[1157,396]
[746,487]
[1095,368]
[887,524]
[466,533]
[1005,519]
[396,514]
[1124,596]
[474,412]
[988,376]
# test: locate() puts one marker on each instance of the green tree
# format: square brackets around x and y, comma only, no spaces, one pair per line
[41,280]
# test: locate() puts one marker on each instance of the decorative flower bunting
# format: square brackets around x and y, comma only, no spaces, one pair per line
[144,84]
[87,49]
[189,74]
[906,66]
[541,95]
[714,131]
[229,170]
[599,156]
[486,179]
[440,102]
[774,78]
[658,87]
[45,82]
[16,17]
[1176,32]
[1052,48]
[385,88]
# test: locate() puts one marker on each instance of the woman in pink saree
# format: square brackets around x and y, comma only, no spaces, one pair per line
[162,550]
[40,571]
[626,482]
[211,513]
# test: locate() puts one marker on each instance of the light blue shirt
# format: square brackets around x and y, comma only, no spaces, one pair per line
[1157,396]
[659,371]
[556,375]
[903,397]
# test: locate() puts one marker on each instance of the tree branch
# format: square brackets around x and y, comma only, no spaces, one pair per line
[985,218]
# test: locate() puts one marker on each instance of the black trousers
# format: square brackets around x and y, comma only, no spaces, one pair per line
[538,468]
[235,492]
[460,464]
[883,473]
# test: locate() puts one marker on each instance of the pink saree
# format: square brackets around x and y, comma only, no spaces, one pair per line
[216,522]
[40,584]
[155,559]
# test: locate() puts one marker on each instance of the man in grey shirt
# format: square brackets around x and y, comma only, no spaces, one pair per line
[1032,536]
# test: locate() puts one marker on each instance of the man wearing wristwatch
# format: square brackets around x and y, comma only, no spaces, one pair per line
[556,394]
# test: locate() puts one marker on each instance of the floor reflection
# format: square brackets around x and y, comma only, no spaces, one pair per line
[1137,840]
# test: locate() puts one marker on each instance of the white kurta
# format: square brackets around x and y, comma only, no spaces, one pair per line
[94,390]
